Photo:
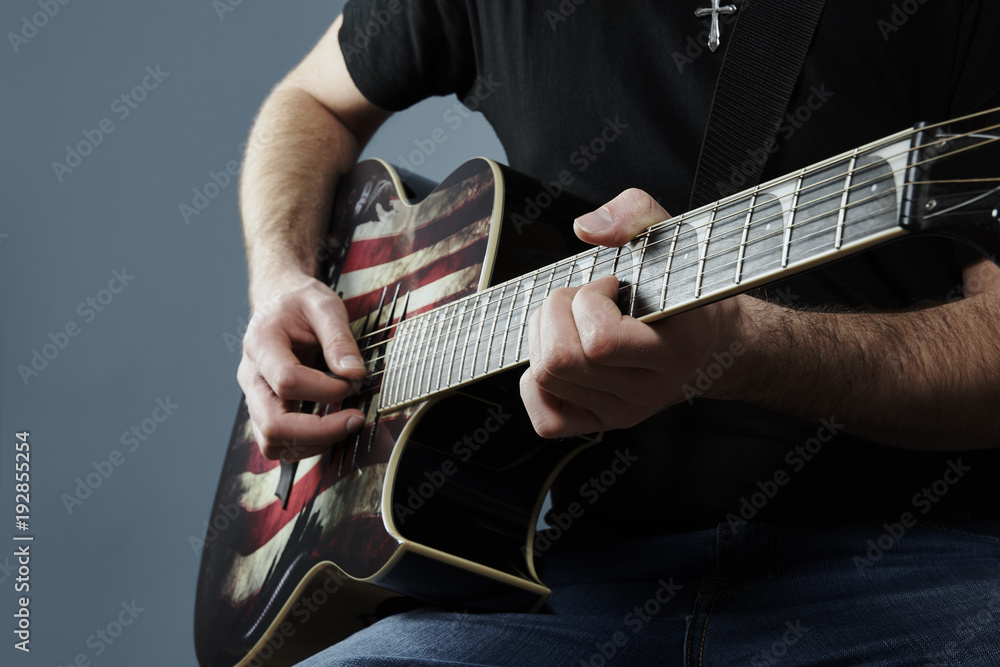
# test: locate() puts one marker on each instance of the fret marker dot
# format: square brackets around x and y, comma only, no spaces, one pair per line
[767,226]
[874,187]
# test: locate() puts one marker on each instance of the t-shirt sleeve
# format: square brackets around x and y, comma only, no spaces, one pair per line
[399,52]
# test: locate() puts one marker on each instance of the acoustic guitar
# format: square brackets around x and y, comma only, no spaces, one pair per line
[437,498]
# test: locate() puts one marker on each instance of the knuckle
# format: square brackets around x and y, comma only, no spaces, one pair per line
[637,204]
[598,345]
[283,384]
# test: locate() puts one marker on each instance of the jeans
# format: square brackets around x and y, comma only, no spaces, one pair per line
[752,594]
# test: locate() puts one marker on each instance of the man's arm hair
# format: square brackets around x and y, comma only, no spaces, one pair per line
[925,379]
[308,133]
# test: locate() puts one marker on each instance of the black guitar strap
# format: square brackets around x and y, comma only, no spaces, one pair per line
[764,57]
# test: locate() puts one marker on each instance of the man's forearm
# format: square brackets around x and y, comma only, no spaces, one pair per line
[296,153]
[927,379]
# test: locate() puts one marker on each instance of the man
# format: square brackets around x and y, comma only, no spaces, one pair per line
[857,404]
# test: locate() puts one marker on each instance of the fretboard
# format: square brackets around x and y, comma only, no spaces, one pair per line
[824,212]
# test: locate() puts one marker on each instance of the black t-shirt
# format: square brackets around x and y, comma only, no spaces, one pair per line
[551,76]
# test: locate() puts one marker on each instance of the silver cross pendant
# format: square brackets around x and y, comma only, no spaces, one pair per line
[715,32]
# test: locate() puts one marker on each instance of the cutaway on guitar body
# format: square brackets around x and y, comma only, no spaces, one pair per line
[435,501]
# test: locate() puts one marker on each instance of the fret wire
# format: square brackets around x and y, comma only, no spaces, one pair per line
[446,328]
[479,336]
[524,317]
[842,215]
[493,329]
[413,366]
[702,249]
[746,235]
[506,328]
[407,350]
[421,358]
[670,265]
[454,348]
[638,272]
[432,346]
[468,335]
[791,220]
[414,386]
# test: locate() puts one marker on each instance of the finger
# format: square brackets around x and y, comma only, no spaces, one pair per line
[285,374]
[553,417]
[620,220]
[282,430]
[329,320]
[554,346]
[608,338]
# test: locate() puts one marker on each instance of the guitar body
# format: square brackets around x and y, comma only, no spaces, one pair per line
[435,501]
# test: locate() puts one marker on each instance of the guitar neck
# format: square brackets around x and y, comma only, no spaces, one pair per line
[822,213]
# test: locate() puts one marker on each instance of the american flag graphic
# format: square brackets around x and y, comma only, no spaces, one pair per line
[388,257]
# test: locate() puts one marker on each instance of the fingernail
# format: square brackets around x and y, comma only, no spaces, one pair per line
[351,361]
[354,424]
[595,222]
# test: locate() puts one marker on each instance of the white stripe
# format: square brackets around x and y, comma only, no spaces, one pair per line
[358,495]
[256,490]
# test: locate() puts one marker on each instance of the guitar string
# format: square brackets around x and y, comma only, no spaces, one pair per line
[436,338]
[446,331]
[707,290]
[454,334]
[680,220]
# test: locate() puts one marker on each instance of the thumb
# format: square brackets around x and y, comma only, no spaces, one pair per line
[620,220]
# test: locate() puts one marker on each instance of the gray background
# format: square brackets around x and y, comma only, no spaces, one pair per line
[164,336]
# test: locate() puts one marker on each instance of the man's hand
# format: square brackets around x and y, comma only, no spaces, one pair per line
[593,369]
[299,319]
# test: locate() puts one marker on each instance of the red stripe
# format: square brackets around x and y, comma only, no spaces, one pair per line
[372,252]
[261,525]
[471,255]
